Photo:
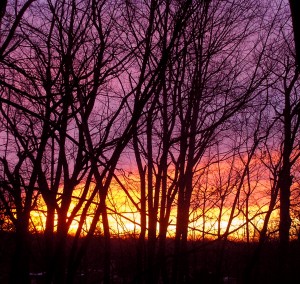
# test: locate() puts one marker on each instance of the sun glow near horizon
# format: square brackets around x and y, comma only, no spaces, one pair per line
[124,218]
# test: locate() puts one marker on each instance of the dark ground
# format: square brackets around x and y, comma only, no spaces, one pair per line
[203,257]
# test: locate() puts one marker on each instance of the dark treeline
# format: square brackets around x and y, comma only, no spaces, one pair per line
[198,99]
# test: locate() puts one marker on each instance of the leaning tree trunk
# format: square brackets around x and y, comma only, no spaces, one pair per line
[285,183]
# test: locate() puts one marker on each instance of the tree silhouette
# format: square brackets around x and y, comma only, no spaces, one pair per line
[200,97]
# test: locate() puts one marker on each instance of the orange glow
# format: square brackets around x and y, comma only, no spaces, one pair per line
[124,218]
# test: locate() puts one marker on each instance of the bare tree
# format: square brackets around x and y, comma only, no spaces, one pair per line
[289,116]
[214,94]
[279,154]
[82,81]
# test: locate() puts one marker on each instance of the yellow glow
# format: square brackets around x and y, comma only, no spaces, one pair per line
[124,218]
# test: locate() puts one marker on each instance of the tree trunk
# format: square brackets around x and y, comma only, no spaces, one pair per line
[255,258]
[181,260]
[60,255]
[49,243]
[285,224]
[107,249]
[141,249]
[20,261]
[285,183]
